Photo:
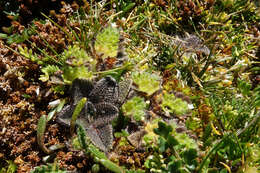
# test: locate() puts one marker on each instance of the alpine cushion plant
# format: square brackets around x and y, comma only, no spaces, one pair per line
[147,82]
[174,105]
[107,41]
[135,108]
[77,64]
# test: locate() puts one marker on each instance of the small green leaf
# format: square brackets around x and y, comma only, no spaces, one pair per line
[111,166]
[41,126]
[244,87]
[189,155]
[81,133]
[95,168]
[162,144]
[27,96]
[96,152]
[163,130]
[11,167]
[172,141]
[174,166]
[128,7]
[3,36]
[51,114]
[60,106]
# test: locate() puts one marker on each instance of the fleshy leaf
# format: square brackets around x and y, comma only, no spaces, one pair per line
[80,88]
[80,105]
[85,118]
[105,90]
[101,136]
[105,113]
[96,114]
[124,88]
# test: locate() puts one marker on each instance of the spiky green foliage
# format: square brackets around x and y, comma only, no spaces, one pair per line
[76,55]
[28,53]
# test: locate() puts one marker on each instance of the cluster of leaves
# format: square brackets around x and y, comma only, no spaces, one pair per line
[175,152]
[81,64]
[135,108]
[75,61]
[16,38]
[174,105]
[47,168]
[146,82]
[107,42]
[192,70]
